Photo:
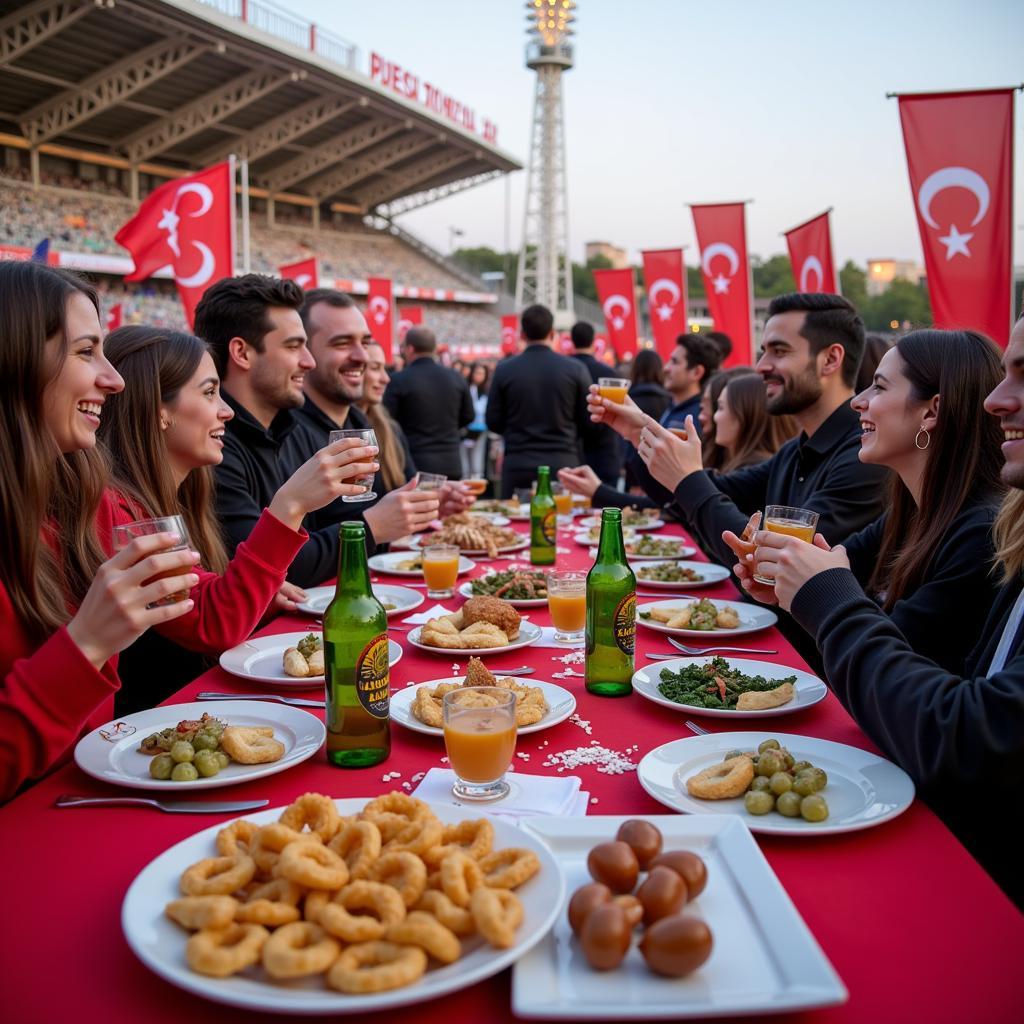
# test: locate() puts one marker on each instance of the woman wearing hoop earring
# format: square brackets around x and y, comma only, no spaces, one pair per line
[927,560]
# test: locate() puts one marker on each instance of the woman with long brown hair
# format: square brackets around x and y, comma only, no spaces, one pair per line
[396,464]
[743,428]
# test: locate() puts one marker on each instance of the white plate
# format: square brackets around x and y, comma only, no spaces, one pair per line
[261,660]
[528,634]
[711,572]
[494,518]
[809,688]
[387,562]
[160,944]
[752,617]
[403,598]
[685,551]
[764,958]
[523,542]
[584,538]
[466,590]
[591,521]
[561,704]
[863,789]
[119,761]
[523,515]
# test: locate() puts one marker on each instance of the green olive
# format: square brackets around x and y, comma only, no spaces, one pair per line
[804,785]
[761,784]
[769,763]
[206,763]
[788,758]
[819,777]
[161,767]
[799,766]
[768,745]
[205,741]
[732,754]
[182,751]
[222,759]
[184,771]
[788,804]
[758,802]
[780,783]
[813,808]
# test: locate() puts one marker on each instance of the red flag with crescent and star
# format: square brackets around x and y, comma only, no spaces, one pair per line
[115,317]
[408,316]
[665,278]
[509,334]
[616,293]
[186,225]
[810,254]
[305,273]
[379,314]
[960,159]
[722,238]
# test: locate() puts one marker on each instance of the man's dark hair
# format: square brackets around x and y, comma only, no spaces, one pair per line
[582,334]
[722,340]
[329,296]
[537,322]
[700,351]
[236,307]
[421,340]
[831,320]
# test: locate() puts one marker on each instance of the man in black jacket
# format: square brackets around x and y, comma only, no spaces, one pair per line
[602,449]
[538,403]
[431,404]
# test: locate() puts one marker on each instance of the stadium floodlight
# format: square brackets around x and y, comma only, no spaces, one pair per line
[545,269]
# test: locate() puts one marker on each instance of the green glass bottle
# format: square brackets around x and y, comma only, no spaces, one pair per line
[611,614]
[543,520]
[356,662]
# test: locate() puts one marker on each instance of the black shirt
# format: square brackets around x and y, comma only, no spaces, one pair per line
[602,448]
[674,416]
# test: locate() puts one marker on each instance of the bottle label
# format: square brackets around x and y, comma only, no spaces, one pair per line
[373,677]
[549,525]
[624,624]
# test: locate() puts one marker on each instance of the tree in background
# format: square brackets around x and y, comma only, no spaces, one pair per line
[773,276]
[854,283]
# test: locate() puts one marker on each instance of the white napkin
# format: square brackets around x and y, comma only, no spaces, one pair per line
[421,617]
[547,639]
[531,794]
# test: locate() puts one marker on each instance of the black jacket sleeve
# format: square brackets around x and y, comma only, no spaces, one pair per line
[495,414]
[238,509]
[610,497]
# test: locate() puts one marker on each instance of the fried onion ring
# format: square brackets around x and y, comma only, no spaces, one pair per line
[198,912]
[236,837]
[460,875]
[222,952]
[473,837]
[315,811]
[722,781]
[266,845]
[312,865]
[424,930]
[404,872]
[384,904]
[376,967]
[298,950]
[217,876]
[272,904]
[509,868]
[456,919]
[358,843]
[497,914]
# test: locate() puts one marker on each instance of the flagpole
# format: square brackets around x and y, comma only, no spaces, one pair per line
[233,165]
[246,253]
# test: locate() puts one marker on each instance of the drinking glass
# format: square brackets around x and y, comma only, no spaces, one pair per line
[524,495]
[441,569]
[563,504]
[475,485]
[567,603]
[794,522]
[614,389]
[480,739]
[430,481]
[125,533]
[368,437]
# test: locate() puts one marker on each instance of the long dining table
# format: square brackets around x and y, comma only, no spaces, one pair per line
[912,924]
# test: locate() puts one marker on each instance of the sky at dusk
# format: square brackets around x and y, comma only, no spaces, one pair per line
[675,101]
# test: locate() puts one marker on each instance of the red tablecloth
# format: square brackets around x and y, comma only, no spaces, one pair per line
[915,928]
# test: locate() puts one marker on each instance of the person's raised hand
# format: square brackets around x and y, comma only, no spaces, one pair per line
[402,511]
[792,562]
[580,480]
[625,418]
[455,497]
[669,458]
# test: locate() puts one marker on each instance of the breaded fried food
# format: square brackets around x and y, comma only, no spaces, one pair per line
[762,700]
[478,675]
[251,744]
[493,610]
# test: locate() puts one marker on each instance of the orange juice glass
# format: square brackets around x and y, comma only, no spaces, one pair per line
[678,431]
[793,522]
[567,603]
[440,569]
[480,739]
[614,389]
[475,486]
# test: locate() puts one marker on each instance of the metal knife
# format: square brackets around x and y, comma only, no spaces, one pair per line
[169,806]
[300,702]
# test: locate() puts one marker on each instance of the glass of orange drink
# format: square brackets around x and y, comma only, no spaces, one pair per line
[440,569]
[563,503]
[614,389]
[679,432]
[480,739]
[567,603]
[475,485]
[125,533]
[794,522]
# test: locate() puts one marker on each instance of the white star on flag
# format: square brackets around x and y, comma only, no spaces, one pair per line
[169,223]
[721,284]
[664,311]
[956,243]
[618,323]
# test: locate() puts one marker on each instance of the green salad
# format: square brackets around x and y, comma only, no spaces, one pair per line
[713,685]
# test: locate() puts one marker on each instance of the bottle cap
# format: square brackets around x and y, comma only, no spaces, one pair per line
[611,515]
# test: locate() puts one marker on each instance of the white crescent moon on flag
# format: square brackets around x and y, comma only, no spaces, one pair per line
[199,189]
[379,308]
[952,177]
[720,249]
[303,280]
[812,265]
[205,271]
[664,284]
[617,302]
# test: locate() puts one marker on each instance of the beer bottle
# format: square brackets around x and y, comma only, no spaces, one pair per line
[543,520]
[611,614]
[356,662]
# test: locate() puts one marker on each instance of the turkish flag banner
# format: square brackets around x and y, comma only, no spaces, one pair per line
[617,295]
[960,158]
[665,279]
[810,254]
[186,225]
[115,317]
[722,237]
[509,333]
[408,316]
[379,314]
[305,273]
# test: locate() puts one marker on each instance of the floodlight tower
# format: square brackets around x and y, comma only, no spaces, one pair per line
[545,269]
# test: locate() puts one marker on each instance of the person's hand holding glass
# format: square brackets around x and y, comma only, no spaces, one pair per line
[368,437]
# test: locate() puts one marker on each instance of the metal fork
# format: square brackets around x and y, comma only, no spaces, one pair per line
[299,702]
[695,728]
[694,651]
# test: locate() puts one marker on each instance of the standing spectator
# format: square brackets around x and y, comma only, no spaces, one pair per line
[538,402]
[431,403]
[602,449]
[474,448]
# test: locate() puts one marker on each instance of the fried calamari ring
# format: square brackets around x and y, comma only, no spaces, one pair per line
[497,913]
[251,745]
[236,837]
[509,868]
[722,781]
[404,872]
[424,930]
[358,844]
[217,876]
[384,904]
[408,807]
[197,912]
[311,864]
[456,919]
[266,845]
[473,837]
[417,837]
[460,876]
[315,811]
[299,950]
[376,967]
[271,904]
[225,951]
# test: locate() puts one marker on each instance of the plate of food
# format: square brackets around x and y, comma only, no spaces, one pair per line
[649,547]
[728,687]
[521,514]
[483,625]
[492,506]
[286,660]
[473,536]
[494,518]
[778,783]
[396,600]
[733,898]
[521,586]
[593,535]
[182,747]
[633,519]
[679,575]
[271,968]
[539,704]
[401,563]
[703,616]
